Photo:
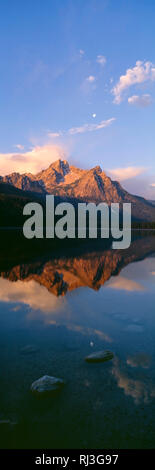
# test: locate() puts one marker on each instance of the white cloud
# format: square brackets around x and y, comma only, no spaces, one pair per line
[101,59]
[143,101]
[91,79]
[82,52]
[34,160]
[40,157]
[19,147]
[90,127]
[89,84]
[141,72]
[82,129]
[54,134]
[126,173]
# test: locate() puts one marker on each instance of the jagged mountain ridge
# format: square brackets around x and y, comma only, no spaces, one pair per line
[92,185]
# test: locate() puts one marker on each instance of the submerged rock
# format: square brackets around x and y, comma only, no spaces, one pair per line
[46,384]
[100,356]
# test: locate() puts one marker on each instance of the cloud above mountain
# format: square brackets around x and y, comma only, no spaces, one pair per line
[123,174]
[41,156]
[87,127]
[135,179]
[90,127]
[90,79]
[142,101]
[101,59]
[140,73]
[31,161]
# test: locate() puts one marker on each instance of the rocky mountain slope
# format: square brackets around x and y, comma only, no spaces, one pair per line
[93,185]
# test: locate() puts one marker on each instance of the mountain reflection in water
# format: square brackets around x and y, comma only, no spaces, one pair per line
[54,311]
[60,275]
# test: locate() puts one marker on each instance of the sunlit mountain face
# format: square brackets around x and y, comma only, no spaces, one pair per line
[68,181]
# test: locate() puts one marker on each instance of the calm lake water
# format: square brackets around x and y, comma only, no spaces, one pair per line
[54,311]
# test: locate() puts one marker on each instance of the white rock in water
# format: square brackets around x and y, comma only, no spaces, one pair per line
[100,356]
[46,384]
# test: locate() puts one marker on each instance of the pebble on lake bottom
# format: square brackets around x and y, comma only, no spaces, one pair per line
[100,356]
[46,384]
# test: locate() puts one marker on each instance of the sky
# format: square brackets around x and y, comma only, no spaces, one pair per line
[77,82]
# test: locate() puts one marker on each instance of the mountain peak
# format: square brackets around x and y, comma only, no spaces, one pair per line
[68,181]
[97,169]
[59,163]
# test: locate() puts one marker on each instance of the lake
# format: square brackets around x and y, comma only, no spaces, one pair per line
[54,311]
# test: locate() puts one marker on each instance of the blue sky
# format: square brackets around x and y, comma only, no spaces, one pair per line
[78,81]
